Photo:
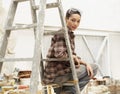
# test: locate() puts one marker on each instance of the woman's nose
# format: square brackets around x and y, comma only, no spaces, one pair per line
[76,23]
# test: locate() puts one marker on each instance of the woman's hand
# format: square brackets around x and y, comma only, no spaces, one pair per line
[89,70]
[77,61]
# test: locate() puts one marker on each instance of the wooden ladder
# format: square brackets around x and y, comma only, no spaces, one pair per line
[39,28]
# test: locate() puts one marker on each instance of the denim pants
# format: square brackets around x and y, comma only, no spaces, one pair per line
[82,77]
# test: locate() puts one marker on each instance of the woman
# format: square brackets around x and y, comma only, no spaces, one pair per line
[59,71]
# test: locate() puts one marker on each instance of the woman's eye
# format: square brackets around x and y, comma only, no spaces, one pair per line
[73,20]
[78,21]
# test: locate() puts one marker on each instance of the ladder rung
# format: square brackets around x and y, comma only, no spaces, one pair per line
[48,31]
[20,0]
[52,32]
[68,84]
[54,59]
[56,85]
[15,59]
[50,5]
[17,27]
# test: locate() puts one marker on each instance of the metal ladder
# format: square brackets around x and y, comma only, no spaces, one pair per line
[39,28]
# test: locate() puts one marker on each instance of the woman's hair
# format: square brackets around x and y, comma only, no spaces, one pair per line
[72,11]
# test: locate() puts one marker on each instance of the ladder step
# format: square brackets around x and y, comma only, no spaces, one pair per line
[29,59]
[20,0]
[70,83]
[15,59]
[53,31]
[50,5]
[20,26]
[54,59]
[48,31]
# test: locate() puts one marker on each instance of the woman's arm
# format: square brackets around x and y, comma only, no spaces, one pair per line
[88,67]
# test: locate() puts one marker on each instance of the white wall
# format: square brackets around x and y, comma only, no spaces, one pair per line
[115,54]
[96,14]
[2,14]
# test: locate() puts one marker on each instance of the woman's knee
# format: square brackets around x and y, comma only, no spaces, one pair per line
[94,67]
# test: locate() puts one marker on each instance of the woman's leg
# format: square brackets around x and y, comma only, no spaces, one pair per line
[60,80]
[83,75]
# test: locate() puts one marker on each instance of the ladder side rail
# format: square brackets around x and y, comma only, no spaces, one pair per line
[34,14]
[69,47]
[9,22]
[41,68]
[38,47]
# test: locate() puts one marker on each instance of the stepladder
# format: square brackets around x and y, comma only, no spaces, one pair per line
[39,28]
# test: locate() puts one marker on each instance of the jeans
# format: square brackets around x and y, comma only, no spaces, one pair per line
[82,77]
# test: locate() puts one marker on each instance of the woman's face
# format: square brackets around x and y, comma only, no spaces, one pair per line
[73,21]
